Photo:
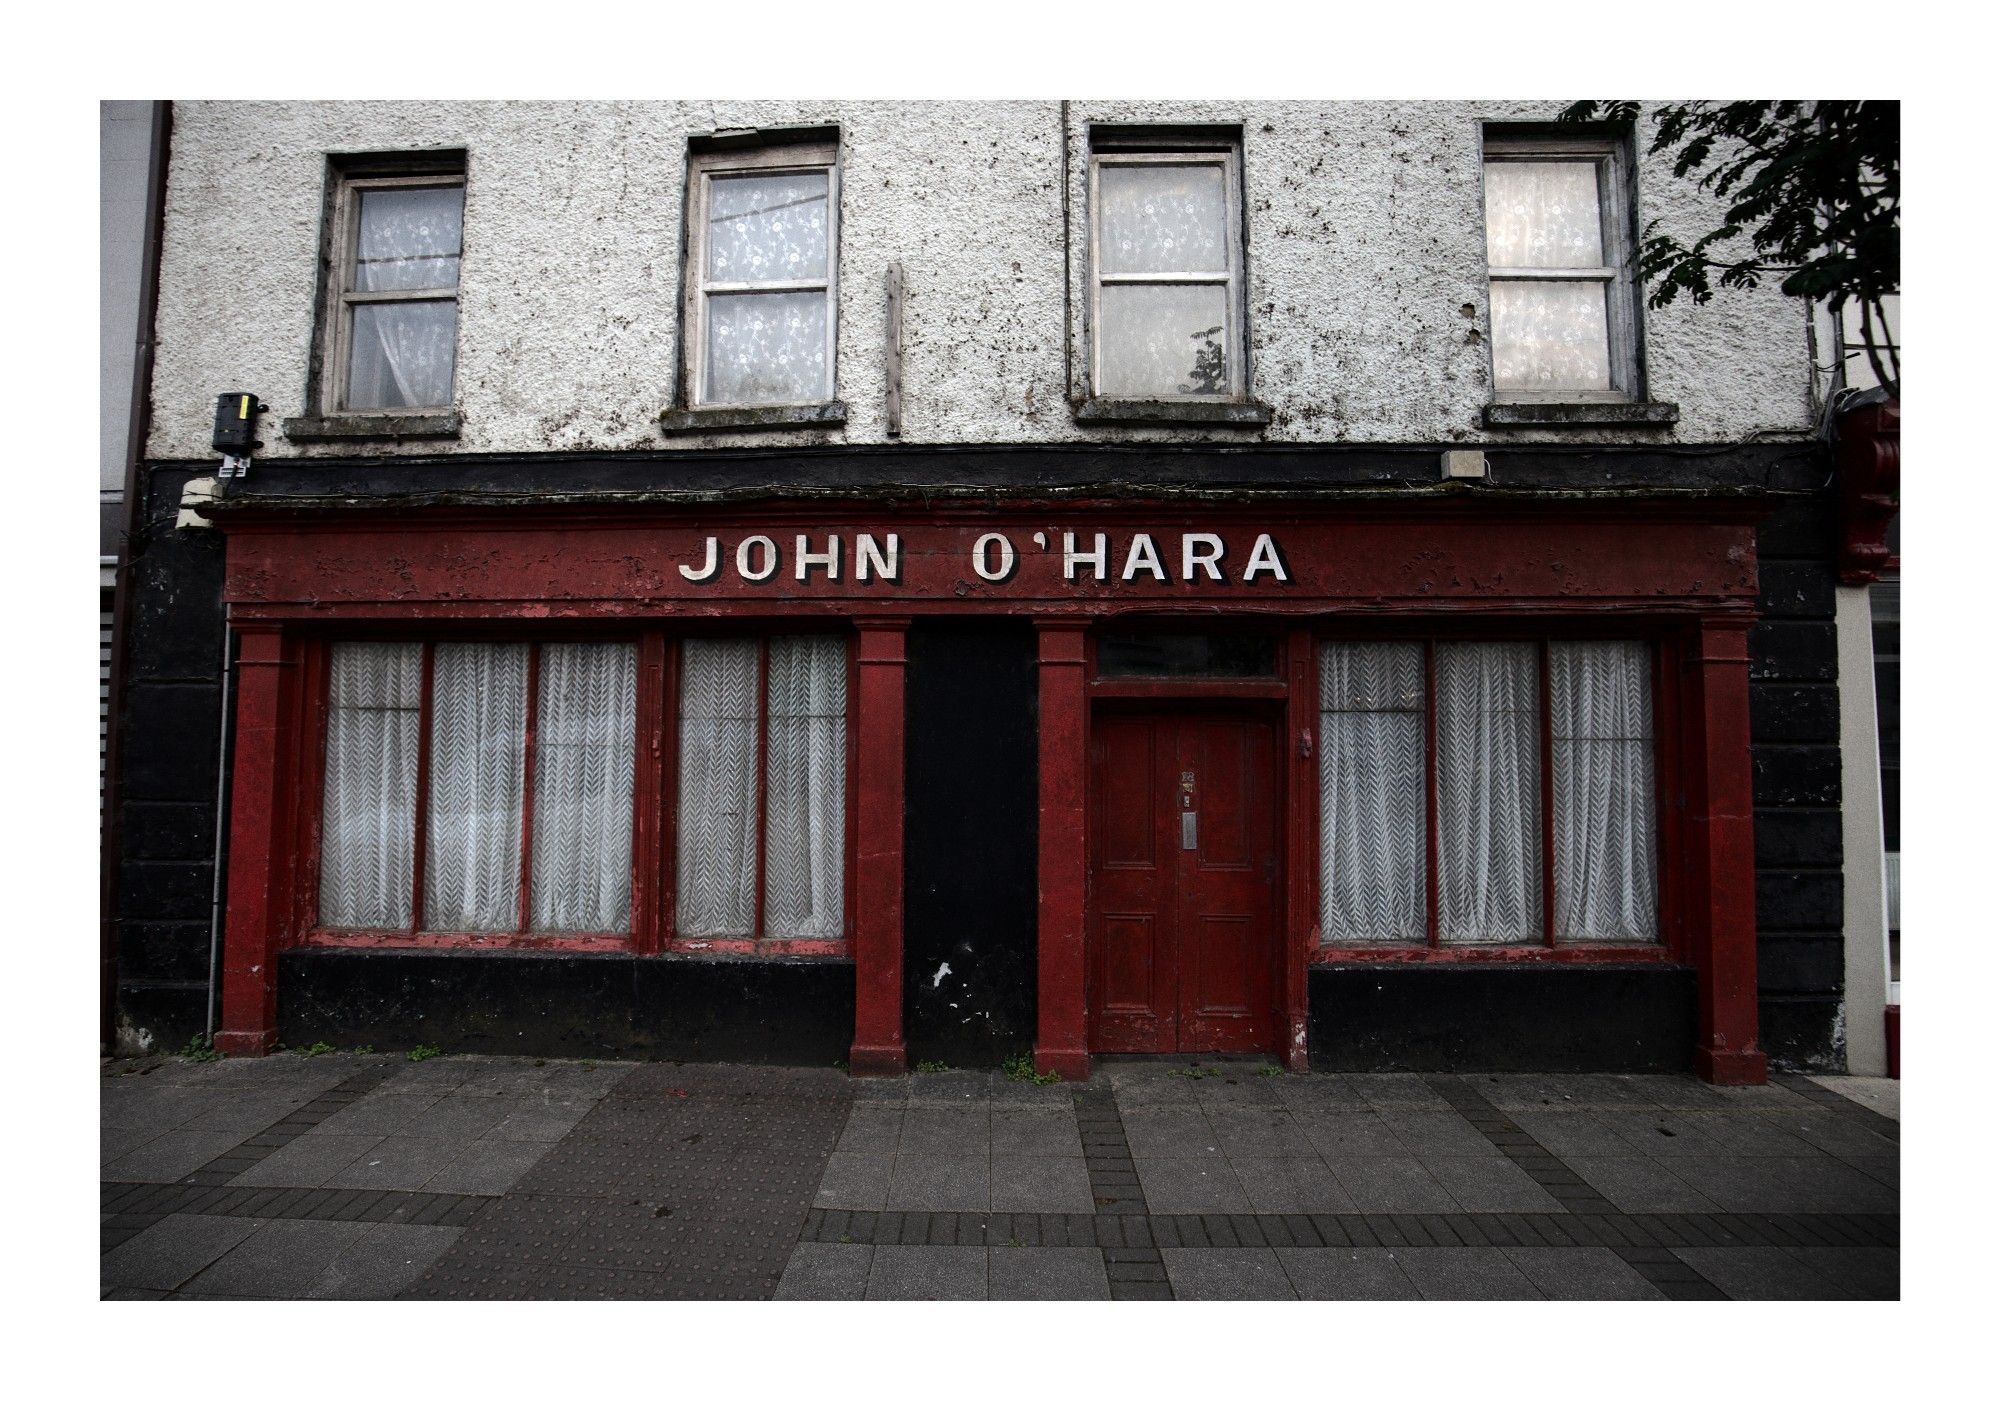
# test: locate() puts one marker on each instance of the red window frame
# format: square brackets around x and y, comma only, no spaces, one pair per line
[655,800]
[1664,646]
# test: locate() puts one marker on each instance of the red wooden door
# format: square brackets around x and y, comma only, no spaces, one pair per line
[1184,879]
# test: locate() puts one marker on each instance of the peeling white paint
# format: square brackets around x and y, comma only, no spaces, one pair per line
[943,970]
[1365,282]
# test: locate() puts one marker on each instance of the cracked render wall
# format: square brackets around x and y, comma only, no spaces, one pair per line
[1366,284]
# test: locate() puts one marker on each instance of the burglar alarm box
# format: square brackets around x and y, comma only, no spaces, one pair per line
[236,423]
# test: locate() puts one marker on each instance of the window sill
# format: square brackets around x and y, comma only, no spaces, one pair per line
[1241,413]
[832,414]
[342,428]
[1523,414]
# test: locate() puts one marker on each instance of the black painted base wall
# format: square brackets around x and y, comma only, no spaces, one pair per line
[767,1011]
[1626,1018]
[969,842]
[1795,760]
[170,740]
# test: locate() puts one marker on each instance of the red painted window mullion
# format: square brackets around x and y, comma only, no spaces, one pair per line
[1548,750]
[420,846]
[528,781]
[763,768]
[1430,796]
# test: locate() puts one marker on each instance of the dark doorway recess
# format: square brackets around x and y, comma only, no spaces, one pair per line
[969,843]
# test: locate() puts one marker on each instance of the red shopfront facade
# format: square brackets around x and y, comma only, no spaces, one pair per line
[1178,837]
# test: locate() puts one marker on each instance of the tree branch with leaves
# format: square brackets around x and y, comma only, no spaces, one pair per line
[1816,186]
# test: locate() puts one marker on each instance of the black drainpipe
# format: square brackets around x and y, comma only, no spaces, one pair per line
[138,427]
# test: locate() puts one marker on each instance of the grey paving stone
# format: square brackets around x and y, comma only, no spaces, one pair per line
[486,1167]
[1176,1131]
[379,1113]
[1396,1091]
[1147,1086]
[398,1164]
[1888,1170]
[538,1123]
[951,1087]
[928,1272]
[1762,1272]
[1258,1132]
[935,1182]
[1488,1183]
[1426,1132]
[1830,1132]
[246,1112]
[817,1271]
[1391,1184]
[1573,1132]
[1040,1133]
[872,1129]
[958,1130]
[1332,1273]
[1239,1086]
[118,1295]
[170,1155]
[1290,1184]
[1046,1272]
[308,1161]
[279,1260]
[1579,1272]
[1466,1272]
[457,1115]
[172,1251]
[1667,1133]
[1176,1186]
[1021,1183]
[1866,1272]
[1636,1183]
[1814,1184]
[1318,1093]
[1231,1273]
[1336,1135]
[385,1262]
[1876,1092]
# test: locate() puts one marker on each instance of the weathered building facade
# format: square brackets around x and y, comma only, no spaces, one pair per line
[873,582]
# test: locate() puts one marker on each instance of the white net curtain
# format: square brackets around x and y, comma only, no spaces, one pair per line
[476,816]
[401,350]
[1486,705]
[795,701]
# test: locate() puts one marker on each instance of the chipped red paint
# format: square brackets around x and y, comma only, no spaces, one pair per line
[1868,455]
[878,866]
[1063,760]
[1681,573]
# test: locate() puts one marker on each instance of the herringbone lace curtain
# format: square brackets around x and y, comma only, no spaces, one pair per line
[479,721]
[1371,786]
[805,804]
[581,877]
[715,894]
[1601,698]
[368,817]
[1489,792]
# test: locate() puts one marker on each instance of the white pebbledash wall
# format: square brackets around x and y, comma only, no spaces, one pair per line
[1366,272]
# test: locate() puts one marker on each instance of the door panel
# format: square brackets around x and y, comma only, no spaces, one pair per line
[1183,937]
[1132,948]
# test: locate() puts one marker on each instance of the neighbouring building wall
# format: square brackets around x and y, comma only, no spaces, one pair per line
[124,132]
[1365,262]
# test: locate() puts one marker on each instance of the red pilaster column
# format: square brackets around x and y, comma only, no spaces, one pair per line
[251,920]
[1299,752]
[878,851]
[1063,865]
[1722,905]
